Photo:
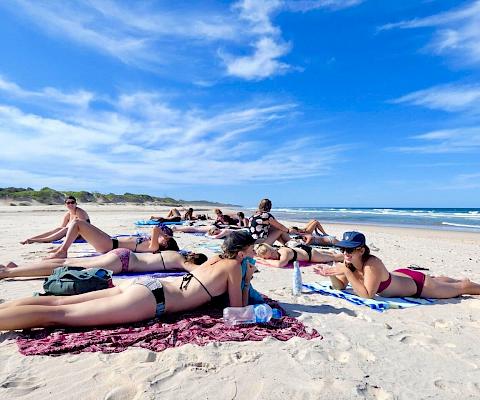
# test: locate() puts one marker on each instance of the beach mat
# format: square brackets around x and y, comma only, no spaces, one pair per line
[60,241]
[162,274]
[200,327]
[379,304]
[149,222]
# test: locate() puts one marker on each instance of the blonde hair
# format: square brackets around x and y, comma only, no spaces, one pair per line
[263,249]
[214,231]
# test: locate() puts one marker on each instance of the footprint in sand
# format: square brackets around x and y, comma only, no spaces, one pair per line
[243,357]
[122,393]
[413,340]
[459,388]
[21,386]
[342,357]
[368,391]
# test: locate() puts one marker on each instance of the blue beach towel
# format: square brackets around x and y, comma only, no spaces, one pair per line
[379,304]
[150,222]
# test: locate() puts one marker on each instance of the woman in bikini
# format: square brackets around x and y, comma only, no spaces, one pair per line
[142,299]
[102,242]
[119,261]
[368,276]
[280,257]
[172,216]
[74,213]
[265,228]
[314,234]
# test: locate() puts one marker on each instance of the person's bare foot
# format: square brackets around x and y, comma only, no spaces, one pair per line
[58,254]
[26,241]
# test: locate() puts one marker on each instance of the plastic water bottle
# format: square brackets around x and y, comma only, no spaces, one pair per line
[297,279]
[259,313]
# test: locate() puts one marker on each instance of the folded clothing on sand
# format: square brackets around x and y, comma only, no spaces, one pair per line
[378,304]
[200,327]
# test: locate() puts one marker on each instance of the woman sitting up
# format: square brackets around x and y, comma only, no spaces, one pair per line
[172,216]
[368,276]
[282,256]
[74,212]
[265,228]
[102,242]
[119,261]
[143,299]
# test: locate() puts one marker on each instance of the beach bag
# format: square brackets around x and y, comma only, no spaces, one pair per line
[67,281]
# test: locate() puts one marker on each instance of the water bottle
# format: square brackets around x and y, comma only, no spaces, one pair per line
[259,313]
[297,279]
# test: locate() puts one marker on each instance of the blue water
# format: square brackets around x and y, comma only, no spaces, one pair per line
[460,219]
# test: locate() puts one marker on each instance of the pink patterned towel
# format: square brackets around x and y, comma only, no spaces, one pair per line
[200,327]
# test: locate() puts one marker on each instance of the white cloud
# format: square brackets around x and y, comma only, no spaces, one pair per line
[452,98]
[458,31]
[142,136]
[460,140]
[262,64]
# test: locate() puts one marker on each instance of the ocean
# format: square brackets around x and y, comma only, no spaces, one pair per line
[459,219]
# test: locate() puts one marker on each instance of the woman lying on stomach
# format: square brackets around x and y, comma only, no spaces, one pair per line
[119,261]
[142,299]
[368,276]
[280,257]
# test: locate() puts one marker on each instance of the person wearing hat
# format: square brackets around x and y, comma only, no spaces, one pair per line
[142,299]
[368,275]
[161,239]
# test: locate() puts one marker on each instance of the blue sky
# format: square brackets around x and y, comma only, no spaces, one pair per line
[307,102]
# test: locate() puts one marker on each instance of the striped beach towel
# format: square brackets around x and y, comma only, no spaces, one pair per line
[379,304]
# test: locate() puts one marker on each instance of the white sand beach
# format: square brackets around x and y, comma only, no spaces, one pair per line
[424,352]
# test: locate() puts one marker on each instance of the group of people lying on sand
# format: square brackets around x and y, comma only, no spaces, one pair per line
[228,274]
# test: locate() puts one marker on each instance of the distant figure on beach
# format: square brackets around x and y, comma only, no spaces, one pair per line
[265,228]
[119,261]
[282,256]
[172,216]
[314,234]
[368,276]
[102,242]
[74,213]
[142,299]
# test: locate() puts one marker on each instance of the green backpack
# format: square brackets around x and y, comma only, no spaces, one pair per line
[66,281]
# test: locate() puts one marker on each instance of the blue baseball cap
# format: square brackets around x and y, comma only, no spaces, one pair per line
[352,239]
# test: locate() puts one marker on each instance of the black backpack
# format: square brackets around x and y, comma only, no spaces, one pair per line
[66,281]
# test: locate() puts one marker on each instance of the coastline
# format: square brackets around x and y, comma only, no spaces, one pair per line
[358,357]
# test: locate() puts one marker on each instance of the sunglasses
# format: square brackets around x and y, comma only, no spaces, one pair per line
[69,202]
[350,251]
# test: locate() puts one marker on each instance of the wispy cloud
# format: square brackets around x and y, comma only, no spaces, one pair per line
[451,98]
[308,5]
[458,31]
[461,140]
[142,136]
[161,38]
[80,98]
